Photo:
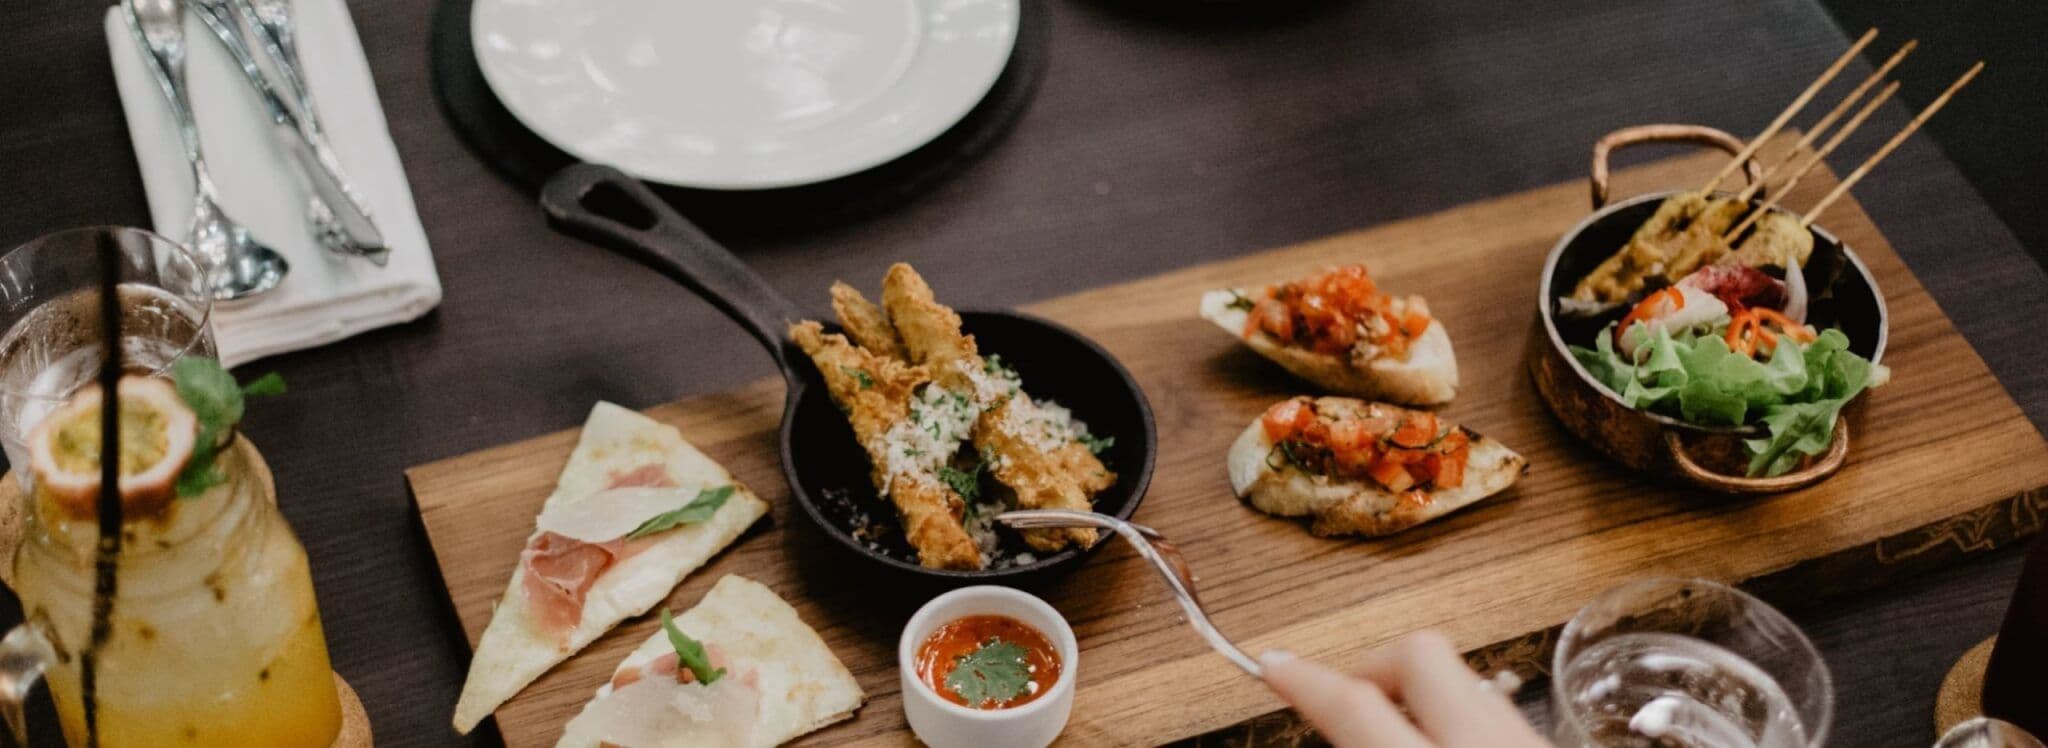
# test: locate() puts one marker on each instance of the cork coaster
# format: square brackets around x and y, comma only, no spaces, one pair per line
[1962,692]
[355,721]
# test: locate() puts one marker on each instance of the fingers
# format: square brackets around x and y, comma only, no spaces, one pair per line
[1425,673]
[1348,711]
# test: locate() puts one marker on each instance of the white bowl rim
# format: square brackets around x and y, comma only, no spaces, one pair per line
[1062,639]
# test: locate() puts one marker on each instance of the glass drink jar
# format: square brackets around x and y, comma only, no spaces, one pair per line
[215,636]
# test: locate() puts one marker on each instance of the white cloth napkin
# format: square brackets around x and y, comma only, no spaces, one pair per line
[325,297]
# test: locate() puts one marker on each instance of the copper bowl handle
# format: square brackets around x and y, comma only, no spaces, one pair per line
[1639,134]
[1831,461]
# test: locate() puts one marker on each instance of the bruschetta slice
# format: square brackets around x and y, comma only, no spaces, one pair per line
[1336,330]
[1364,468]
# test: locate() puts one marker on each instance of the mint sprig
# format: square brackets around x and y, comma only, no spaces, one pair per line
[218,403]
[698,510]
[689,652]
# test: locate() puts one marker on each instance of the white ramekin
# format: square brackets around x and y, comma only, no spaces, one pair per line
[944,724]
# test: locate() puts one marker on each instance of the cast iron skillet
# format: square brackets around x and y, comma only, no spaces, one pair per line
[826,469]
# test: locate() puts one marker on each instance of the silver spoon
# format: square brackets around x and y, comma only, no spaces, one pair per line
[239,266]
[1164,557]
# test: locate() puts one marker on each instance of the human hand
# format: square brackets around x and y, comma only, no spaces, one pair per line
[1446,705]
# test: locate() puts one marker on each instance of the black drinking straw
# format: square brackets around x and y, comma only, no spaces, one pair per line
[110,481]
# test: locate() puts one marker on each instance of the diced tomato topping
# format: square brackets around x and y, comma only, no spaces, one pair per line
[1417,430]
[1395,447]
[1288,417]
[1451,469]
[1390,472]
[1332,311]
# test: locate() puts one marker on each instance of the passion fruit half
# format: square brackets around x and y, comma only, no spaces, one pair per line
[158,432]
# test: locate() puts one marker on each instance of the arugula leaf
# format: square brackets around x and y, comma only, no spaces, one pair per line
[217,402]
[698,510]
[689,652]
[993,674]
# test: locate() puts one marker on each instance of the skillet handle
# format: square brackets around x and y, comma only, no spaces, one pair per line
[602,205]
[1639,134]
[1830,461]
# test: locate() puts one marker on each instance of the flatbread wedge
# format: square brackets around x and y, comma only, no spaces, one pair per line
[581,573]
[1266,476]
[771,662]
[1427,375]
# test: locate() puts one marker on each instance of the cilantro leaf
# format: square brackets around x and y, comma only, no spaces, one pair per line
[217,403]
[689,652]
[993,674]
[1239,301]
[698,510]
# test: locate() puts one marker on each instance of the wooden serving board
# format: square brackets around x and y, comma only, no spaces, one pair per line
[1943,463]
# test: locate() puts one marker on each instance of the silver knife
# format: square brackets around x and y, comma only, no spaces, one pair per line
[340,219]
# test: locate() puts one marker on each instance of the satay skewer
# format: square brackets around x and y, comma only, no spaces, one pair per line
[1828,120]
[1886,149]
[1790,111]
[1812,160]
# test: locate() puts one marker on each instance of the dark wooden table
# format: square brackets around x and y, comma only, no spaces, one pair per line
[1155,142]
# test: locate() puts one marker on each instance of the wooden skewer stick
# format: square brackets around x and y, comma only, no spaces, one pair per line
[1813,160]
[1828,120]
[1886,149]
[1790,111]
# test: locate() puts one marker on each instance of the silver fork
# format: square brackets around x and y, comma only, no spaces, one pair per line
[239,265]
[1154,548]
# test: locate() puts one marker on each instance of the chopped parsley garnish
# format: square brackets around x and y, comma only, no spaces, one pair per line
[994,364]
[689,652]
[866,381]
[698,510]
[218,404]
[992,674]
[1097,444]
[967,483]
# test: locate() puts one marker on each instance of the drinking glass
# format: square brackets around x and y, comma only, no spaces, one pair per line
[214,637]
[49,308]
[1687,662]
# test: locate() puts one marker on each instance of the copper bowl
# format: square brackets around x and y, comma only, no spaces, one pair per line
[1842,294]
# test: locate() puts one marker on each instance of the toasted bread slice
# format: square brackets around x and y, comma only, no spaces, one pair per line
[1427,376]
[1347,507]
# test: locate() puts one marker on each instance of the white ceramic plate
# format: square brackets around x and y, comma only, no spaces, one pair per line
[741,94]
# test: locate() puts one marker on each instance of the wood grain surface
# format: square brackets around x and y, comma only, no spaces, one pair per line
[1500,571]
[1163,135]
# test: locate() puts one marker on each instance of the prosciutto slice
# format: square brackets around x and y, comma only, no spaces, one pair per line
[560,569]
[559,573]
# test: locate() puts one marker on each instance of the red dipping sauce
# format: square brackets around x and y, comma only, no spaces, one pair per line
[952,643]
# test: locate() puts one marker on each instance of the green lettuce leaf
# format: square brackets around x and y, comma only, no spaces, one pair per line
[1794,395]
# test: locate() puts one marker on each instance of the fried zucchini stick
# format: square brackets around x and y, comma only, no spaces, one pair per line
[1046,470]
[876,392]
